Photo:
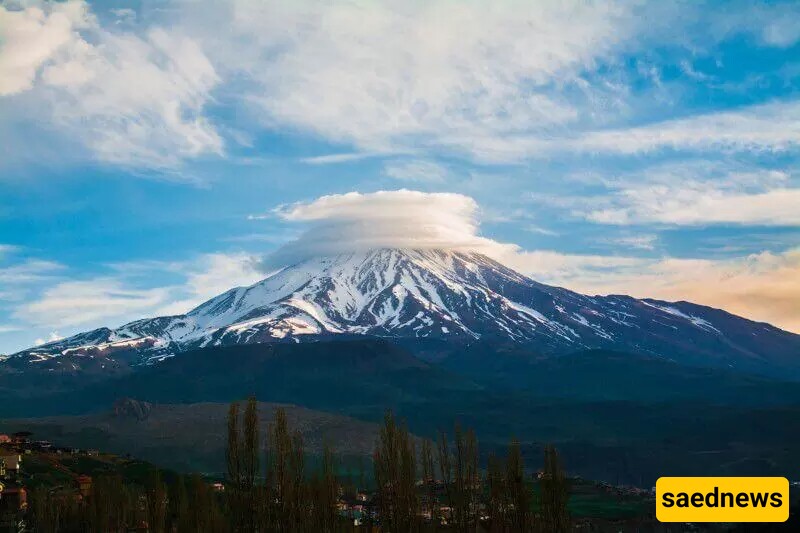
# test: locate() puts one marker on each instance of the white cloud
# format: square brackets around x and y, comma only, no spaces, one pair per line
[384,219]
[130,99]
[416,170]
[388,76]
[98,301]
[28,270]
[496,82]
[772,24]
[333,159]
[128,293]
[30,37]
[53,337]
[686,194]
[761,128]
[210,275]
[6,249]
[686,206]
[640,242]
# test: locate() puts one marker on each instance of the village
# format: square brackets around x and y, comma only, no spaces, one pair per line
[67,475]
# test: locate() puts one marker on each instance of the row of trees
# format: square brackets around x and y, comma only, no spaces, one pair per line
[115,505]
[418,485]
[447,488]
[289,496]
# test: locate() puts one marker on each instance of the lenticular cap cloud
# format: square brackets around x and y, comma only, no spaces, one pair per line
[342,223]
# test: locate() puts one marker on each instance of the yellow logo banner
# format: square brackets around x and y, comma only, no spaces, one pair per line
[722,499]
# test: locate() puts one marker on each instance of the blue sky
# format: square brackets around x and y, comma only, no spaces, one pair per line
[150,151]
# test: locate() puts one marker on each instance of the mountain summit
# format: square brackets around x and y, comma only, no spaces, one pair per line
[460,297]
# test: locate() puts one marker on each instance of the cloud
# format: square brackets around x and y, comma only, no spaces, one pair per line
[127,292]
[28,271]
[640,242]
[493,82]
[97,301]
[208,276]
[772,24]
[384,219]
[763,286]
[693,193]
[53,337]
[416,170]
[386,77]
[333,159]
[30,37]
[131,99]
[686,207]
[6,249]
[771,127]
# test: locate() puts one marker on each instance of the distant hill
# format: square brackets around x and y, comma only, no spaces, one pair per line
[189,437]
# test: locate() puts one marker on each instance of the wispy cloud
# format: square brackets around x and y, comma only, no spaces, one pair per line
[78,303]
[134,99]
[687,207]
[126,292]
[639,242]
[416,171]
[764,127]
[695,193]
[333,159]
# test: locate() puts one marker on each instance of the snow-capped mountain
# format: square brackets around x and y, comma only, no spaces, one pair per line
[435,294]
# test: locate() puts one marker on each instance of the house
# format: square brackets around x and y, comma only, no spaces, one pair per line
[13,498]
[11,462]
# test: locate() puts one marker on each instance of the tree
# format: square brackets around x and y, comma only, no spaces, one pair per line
[496,497]
[285,475]
[325,493]
[466,481]
[179,506]
[429,479]
[249,461]
[234,462]
[555,516]
[395,475]
[156,503]
[517,493]
[445,467]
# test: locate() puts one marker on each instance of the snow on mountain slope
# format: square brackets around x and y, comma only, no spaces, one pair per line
[439,294]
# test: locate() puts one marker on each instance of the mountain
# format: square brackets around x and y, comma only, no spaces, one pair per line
[428,295]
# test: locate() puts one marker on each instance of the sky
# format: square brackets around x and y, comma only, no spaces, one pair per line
[154,153]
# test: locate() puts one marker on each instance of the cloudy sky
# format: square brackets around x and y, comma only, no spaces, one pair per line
[153,152]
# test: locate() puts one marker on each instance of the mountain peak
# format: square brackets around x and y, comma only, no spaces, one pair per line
[453,295]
